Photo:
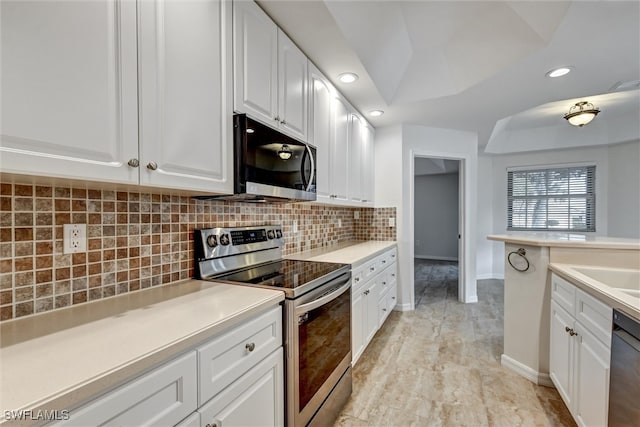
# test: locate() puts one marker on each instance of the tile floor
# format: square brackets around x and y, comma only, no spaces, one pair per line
[440,365]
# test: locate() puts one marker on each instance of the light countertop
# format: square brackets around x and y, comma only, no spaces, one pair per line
[58,359]
[606,292]
[566,240]
[351,252]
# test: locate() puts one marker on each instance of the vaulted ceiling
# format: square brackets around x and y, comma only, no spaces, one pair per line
[479,65]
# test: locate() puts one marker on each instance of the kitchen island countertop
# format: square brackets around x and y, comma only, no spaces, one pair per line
[58,359]
[566,240]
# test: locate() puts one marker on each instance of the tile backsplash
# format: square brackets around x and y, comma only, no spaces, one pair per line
[138,239]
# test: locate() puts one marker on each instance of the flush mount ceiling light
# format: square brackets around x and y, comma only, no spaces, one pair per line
[348,77]
[581,114]
[285,152]
[559,72]
[376,113]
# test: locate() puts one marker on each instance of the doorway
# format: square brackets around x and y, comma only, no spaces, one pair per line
[436,228]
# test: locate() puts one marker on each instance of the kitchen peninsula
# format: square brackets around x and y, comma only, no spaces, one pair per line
[561,282]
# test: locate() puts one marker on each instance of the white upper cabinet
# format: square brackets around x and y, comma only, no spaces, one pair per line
[94,89]
[355,159]
[186,138]
[368,160]
[339,152]
[321,95]
[69,89]
[271,73]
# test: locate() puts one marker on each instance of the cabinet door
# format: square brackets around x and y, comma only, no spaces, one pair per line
[255,59]
[185,95]
[373,293]
[592,379]
[355,159]
[339,150]
[561,352]
[255,399]
[358,321]
[292,88]
[69,89]
[367,165]
[320,128]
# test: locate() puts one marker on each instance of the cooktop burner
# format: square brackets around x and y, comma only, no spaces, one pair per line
[286,273]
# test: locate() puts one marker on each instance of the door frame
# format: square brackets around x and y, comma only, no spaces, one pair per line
[466,285]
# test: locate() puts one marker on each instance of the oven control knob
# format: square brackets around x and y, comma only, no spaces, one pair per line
[212,241]
[271,234]
[224,239]
[279,234]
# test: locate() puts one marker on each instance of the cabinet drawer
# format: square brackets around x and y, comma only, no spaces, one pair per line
[383,310]
[563,293]
[357,280]
[392,297]
[227,357]
[164,396]
[595,316]
[388,258]
[370,269]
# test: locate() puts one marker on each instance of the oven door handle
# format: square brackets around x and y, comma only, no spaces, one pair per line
[304,308]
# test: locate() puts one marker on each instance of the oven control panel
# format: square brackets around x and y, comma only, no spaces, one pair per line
[220,242]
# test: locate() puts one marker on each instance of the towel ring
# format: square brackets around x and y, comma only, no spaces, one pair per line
[521,252]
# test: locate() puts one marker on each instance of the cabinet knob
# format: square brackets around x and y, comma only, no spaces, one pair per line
[384,309]
[384,261]
[134,163]
[372,268]
[356,279]
[276,118]
[212,425]
[384,283]
[250,347]
[152,166]
[393,297]
[573,333]
[284,122]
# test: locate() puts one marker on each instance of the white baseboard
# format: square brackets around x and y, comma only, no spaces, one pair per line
[471,299]
[490,276]
[525,371]
[436,258]
[402,307]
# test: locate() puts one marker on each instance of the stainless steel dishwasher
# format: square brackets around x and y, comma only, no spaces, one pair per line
[624,383]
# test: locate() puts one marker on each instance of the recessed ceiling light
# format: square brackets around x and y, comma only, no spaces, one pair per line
[348,77]
[559,72]
[376,113]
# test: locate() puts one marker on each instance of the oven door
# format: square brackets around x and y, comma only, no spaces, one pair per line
[319,347]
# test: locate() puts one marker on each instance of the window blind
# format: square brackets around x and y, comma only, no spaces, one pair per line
[555,199]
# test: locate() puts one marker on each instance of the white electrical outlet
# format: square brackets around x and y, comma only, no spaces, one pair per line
[392,222]
[356,214]
[339,223]
[74,238]
[295,226]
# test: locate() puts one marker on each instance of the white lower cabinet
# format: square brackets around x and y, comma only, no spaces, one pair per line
[234,379]
[580,352]
[255,399]
[373,296]
[163,396]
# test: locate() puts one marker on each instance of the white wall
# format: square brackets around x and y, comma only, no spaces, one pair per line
[624,190]
[486,248]
[436,216]
[617,194]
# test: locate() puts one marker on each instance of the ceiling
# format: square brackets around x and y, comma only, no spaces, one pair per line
[434,166]
[477,65]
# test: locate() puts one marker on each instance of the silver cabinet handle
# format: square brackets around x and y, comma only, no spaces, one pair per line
[134,163]
[356,279]
[212,425]
[250,347]
[384,309]
[284,122]
[276,118]
[152,166]
[372,268]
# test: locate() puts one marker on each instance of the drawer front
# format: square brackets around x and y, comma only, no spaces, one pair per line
[595,316]
[228,357]
[371,267]
[357,280]
[164,396]
[392,297]
[563,293]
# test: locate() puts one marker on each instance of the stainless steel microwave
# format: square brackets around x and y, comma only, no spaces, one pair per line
[270,166]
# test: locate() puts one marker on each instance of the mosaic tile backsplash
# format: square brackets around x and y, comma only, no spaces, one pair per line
[137,240]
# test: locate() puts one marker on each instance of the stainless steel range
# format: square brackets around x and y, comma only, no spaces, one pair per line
[317,313]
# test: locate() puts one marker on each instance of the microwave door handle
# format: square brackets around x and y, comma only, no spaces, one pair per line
[304,308]
[313,167]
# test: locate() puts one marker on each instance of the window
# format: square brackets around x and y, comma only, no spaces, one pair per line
[558,199]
